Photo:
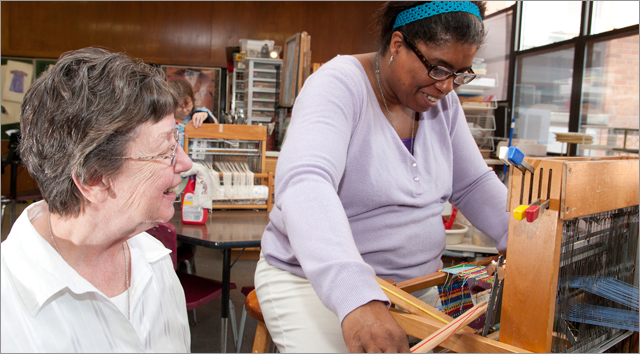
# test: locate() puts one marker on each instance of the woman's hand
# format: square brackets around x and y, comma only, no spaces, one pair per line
[198,118]
[372,329]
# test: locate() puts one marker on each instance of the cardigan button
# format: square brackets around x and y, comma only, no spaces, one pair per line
[414,165]
[417,179]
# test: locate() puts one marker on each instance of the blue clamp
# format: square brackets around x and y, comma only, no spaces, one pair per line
[516,157]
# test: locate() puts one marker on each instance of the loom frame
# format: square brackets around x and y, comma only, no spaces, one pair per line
[579,186]
[236,132]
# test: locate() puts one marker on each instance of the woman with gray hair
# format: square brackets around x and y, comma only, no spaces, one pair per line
[78,271]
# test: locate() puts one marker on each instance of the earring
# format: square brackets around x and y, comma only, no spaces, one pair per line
[391,60]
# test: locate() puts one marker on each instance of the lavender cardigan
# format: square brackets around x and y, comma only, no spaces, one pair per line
[352,202]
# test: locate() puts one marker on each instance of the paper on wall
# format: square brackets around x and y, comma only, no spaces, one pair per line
[12,109]
[18,80]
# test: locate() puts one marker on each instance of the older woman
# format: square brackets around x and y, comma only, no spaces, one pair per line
[377,143]
[78,271]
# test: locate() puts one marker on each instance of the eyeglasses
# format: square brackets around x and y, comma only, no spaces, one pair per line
[439,73]
[174,153]
[187,104]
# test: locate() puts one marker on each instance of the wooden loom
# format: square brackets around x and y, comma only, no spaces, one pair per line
[574,187]
[248,134]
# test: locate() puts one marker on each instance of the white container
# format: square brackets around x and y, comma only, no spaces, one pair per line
[253,48]
[456,234]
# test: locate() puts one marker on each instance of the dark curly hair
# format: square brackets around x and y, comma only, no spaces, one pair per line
[438,30]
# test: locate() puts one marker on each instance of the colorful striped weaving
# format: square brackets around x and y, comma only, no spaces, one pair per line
[455,293]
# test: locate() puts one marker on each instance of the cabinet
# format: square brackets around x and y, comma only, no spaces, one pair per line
[261,89]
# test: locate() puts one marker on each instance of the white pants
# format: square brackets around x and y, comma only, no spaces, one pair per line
[296,318]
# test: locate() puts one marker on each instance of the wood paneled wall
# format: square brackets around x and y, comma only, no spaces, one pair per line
[184,33]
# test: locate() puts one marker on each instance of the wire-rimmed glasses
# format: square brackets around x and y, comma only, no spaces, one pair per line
[437,72]
[174,153]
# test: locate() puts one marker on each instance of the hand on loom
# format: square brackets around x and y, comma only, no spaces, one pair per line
[371,329]
[198,118]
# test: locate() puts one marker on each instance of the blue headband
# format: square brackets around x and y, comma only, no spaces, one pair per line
[434,8]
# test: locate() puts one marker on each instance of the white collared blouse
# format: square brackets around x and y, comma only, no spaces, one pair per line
[48,307]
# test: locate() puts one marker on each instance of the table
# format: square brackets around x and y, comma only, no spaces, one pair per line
[224,230]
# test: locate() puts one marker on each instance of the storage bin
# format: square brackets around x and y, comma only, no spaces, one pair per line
[262,84]
[266,66]
[264,75]
[267,105]
[265,95]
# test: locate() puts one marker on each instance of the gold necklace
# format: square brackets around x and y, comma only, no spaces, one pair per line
[413,121]
[126,266]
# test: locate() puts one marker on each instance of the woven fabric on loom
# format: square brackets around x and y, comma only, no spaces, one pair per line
[455,293]
[476,274]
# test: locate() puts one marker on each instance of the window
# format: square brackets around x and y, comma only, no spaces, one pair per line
[495,53]
[542,97]
[609,15]
[572,73]
[610,96]
[546,22]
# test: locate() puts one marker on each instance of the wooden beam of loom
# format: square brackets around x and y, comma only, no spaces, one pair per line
[414,305]
[420,324]
[577,187]
[461,342]
[441,335]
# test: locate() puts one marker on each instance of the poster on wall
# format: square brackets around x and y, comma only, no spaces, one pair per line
[205,83]
[17,82]
[10,109]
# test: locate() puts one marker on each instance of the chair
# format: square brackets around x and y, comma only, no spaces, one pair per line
[246,290]
[262,339]
[186,254]
[197,290]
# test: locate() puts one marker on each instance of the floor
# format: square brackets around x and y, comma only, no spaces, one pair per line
[206,335]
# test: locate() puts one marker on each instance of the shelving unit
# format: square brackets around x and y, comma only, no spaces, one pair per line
[260,89]
[480,115]
[237,90]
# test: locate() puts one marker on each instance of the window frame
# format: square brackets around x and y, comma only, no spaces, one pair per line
[579,44]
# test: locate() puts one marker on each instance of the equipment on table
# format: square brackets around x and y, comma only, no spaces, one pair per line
[235,153]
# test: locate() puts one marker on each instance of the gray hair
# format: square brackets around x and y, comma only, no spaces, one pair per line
[81,114]
[438,30]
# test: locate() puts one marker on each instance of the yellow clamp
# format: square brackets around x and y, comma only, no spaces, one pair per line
[519,212]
